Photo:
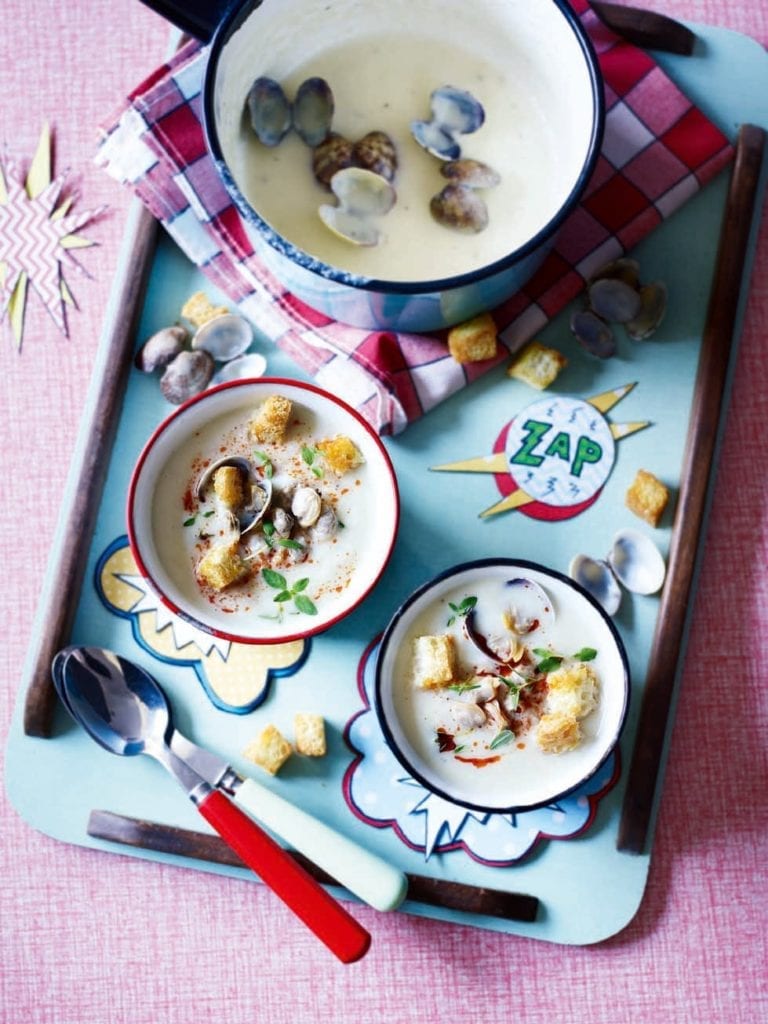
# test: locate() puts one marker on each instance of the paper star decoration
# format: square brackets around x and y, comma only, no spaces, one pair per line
[37,237]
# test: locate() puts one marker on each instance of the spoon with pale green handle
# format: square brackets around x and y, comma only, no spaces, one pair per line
[363,873]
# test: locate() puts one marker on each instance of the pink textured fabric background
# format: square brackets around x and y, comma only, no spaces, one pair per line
[90,939]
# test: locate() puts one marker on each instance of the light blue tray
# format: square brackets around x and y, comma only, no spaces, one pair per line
[588,890]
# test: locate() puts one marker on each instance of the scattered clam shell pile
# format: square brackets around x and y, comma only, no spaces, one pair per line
[634,562]
[456,112]
[360,174]
[616,296]
[188,359]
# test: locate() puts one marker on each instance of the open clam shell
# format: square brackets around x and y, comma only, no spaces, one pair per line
[259,498]
[636,562]
[624,269]
[454,112]
[249,366]
[597,578]
[224,337]
[269,110]
[614,300]
[593,334]
[527,609]
[362,196]
[313,111]
[653,306]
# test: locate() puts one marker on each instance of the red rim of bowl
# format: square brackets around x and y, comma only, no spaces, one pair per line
[165,424]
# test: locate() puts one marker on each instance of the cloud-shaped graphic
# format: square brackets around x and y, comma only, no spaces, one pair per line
[236,677]
[380,793]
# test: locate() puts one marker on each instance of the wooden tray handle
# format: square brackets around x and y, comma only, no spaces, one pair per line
[718,342]
[60,601]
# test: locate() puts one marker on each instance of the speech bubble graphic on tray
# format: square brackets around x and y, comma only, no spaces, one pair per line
[235,677]
[552,460]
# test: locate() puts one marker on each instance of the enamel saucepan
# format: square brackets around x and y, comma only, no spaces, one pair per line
[557,78]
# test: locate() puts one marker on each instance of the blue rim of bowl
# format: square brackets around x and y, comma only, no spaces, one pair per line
[135,545]
[456,570]
[232,22]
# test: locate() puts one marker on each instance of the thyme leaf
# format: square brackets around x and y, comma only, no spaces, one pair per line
[286,542]
[304,604]
[586,654]
[275,579]
[463,687]
[501,738]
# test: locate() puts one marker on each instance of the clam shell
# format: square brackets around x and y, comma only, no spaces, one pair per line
[529,604]
[593,334]
[249,366]
[161,348]
[362,192]
[313,111]
[376,152]
[459,207]
[362,196]
[224,337]
[349,226]
[614,300]
[527,608]
[252,512]
[269,110]
[624,269]
[473,173]
[435,140]
[456,110]
[636,562]
[186,375]
[597,578]
[653,306]
[332,155]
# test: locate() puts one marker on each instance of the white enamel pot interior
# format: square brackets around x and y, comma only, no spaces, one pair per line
[530,64]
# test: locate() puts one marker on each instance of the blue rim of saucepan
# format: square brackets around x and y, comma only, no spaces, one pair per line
[429,585]
[232,22]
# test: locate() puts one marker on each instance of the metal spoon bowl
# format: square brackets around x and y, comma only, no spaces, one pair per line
[125,711]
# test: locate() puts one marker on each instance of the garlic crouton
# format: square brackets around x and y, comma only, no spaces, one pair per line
[572,691]
[270,422]
[474,340]
[537,365]
[228,486]
[434,661]
[647,497]
[341,454]
[558,732]
[270,750]
[309,733]
[198,309]
[221,566]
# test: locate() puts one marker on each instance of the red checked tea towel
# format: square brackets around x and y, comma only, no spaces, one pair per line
[658,151]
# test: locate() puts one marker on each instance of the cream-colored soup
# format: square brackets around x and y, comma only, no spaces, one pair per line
[382,74]
[185,528]
[516,772]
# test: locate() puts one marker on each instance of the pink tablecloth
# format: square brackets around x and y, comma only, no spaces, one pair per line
[90,939]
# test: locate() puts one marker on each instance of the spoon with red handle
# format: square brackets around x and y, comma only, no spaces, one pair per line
[122,712]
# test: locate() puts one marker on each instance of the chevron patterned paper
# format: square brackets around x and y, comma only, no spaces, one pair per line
[37,237]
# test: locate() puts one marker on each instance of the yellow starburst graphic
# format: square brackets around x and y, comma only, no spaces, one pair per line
[38,235]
